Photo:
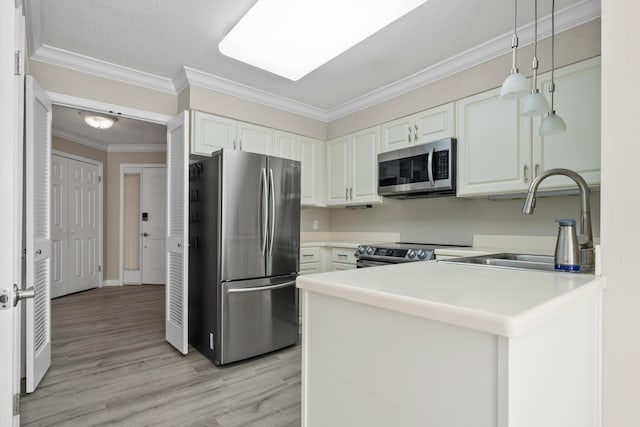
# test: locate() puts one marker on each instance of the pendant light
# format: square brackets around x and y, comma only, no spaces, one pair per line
[552,123]
[515,85]
[535,104]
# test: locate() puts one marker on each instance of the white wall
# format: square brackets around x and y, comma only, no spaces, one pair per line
[621,203]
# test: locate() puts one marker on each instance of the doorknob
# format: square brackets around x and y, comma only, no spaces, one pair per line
[145,234]
[20,294]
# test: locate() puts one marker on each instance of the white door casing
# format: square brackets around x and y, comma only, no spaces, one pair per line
[154,199]
[176,294]
[38,231]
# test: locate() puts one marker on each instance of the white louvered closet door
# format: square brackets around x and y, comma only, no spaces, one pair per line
[176,315]
[38,231]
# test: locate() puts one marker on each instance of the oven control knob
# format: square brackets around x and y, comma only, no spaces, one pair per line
[361,249]
[370,250]
[421,254]
[411,254]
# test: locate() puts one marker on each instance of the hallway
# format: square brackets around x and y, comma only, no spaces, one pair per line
[112,366]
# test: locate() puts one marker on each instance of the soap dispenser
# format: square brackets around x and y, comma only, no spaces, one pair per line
[567,257]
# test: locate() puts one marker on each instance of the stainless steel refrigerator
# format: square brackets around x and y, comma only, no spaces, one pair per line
[244,240]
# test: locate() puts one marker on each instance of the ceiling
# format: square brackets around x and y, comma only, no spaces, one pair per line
[169,44]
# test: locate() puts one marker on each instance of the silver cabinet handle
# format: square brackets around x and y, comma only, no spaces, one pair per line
[342,255]
[351,193]
[265,207]
[234,144]
[240,145]
[537,169]
[415,135]
[20,294]
[261,288]
[409,136]
[272,190]
[525,172]
[346,193]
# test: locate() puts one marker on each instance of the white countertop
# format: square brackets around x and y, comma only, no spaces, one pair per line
[498,301]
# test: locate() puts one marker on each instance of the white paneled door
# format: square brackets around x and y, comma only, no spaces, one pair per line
[176,314]
[154,199]
[38,231]
[75,224]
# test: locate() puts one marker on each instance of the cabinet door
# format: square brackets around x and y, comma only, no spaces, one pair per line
[312,166]
[254,138]
[211,133]
[337,171]
[577,101]
[285,145]
[494,145]
[364,167]
[435,123]
[397,134]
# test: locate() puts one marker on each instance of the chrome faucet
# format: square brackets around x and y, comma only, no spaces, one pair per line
[585,238]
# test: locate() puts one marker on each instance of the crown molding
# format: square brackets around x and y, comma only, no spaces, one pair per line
[110,148]
[567,18]
[228,87]
[87,64]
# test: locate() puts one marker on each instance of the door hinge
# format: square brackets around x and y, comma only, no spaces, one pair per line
[99,268]
[16,404]
[18,63]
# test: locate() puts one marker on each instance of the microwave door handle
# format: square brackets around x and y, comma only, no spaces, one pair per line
[265,209]
[430,166]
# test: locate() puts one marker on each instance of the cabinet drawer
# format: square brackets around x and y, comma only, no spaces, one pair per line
[308,255]
[343,255]
[338,266]
[310,268]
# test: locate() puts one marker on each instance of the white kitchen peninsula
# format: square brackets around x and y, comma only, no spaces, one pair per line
[433,344]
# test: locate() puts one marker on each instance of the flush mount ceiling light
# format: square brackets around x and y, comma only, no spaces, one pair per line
[515,85]
[291,38]
[98,121]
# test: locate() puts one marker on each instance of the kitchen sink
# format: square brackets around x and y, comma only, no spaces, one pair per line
[508,260]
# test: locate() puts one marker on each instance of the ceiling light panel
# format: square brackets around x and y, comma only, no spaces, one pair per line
[291,38]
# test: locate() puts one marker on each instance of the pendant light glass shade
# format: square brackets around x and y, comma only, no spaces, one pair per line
[515,85]
[534,104]
[552,124]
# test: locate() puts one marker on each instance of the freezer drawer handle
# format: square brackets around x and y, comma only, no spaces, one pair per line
[262,288]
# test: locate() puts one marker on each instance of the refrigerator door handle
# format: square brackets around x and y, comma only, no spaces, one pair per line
[265,213]
[272,190]
[261,288]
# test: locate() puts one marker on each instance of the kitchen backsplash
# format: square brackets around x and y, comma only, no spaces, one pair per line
[452,220]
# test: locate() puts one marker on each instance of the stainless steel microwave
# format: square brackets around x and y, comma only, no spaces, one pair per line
[420,171]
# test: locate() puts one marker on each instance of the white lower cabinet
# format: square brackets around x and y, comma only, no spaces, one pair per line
[352,169]
[370,366]
[342,259]
[211,133]
[310,260]
[500,152]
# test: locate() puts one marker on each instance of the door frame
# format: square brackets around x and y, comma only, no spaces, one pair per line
[123,170]
[100,206]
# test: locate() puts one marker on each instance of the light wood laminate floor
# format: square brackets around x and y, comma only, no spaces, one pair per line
[112,366]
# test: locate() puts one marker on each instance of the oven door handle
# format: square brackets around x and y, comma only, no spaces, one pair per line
[430,166]
[361,263]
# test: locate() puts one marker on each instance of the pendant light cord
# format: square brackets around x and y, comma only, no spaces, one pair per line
[553,44]
[514,39]
[535,46]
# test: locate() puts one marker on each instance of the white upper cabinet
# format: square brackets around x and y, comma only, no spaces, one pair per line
[426,126]
[310,153]
[494,145]
[577,101]
[352,169]
[211,133]
[500,152]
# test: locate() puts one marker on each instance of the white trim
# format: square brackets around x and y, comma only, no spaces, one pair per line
[100,205]
[129,168]
[115,282]
[79,140]
[98,67]
[137,148]
[228,87]
[91,104]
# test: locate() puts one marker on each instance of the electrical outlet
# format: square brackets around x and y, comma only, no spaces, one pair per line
[315,224]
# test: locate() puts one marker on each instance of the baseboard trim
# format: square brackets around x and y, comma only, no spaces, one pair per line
[113,282]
